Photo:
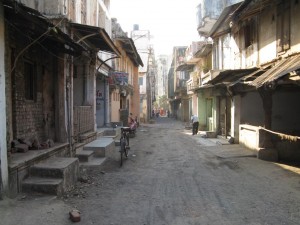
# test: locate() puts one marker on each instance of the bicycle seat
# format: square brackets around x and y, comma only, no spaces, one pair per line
[126,128]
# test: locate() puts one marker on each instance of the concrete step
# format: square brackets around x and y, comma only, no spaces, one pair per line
[93,162]
[56,167]
[84,156]
[101,146]
[53,176]
[50,186]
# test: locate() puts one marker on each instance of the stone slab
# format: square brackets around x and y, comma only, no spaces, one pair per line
[84,156]
[100,146]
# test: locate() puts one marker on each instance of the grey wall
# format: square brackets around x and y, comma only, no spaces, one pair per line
[252,111]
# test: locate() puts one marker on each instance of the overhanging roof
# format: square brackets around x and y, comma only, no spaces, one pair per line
[129,47]
[229,76]
[223,78]
[95,37]
[282,68]
[245,80]
[38,28]
[185,67]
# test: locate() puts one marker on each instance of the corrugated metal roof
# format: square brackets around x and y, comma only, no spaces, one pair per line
[282,68]
[229,76]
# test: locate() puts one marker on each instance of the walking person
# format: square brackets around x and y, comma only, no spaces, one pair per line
[195,122]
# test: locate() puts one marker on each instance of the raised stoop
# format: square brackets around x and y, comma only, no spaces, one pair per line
[85,156]
[53,176]
[101,146]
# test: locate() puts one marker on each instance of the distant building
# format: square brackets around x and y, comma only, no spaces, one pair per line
[141,40]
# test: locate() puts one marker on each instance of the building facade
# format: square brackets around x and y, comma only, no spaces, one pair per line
[56,75]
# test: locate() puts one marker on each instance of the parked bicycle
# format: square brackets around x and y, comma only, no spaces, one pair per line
[124,143]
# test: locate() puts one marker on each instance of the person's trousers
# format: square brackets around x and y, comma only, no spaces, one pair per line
[195,128]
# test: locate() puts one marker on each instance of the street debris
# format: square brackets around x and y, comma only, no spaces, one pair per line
[75,215]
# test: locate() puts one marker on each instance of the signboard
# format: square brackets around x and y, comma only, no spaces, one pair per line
[118,78]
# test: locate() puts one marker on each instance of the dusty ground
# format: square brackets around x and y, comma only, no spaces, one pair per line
[172,178]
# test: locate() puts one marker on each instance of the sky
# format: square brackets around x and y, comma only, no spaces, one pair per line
[170,22]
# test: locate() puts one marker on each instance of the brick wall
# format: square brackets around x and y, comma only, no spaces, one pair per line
[31,118]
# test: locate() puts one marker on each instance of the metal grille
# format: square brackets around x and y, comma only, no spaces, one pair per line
[83,120]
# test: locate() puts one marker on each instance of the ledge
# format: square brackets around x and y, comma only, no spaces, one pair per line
[20,160]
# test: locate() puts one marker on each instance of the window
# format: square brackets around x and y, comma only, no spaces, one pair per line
[283,25]
[141,81]
[248,35]
[30,81]
[75,72]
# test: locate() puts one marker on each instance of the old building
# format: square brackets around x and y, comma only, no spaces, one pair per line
[255,54]
[57,89]
[177,94]
[124,91]
[147,73]
[35,89]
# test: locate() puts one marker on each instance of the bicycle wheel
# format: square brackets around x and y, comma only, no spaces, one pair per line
[122,150]
[126,145]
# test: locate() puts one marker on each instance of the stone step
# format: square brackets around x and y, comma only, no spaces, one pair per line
[93,162]
[101,146]
[53,176]
[85,156]
[56,167]
[52,186]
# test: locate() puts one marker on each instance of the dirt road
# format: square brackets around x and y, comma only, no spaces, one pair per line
[170,178]
[174,178]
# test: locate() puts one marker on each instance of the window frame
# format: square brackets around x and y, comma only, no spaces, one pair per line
[30,80]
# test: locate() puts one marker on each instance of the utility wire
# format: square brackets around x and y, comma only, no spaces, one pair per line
[32,43]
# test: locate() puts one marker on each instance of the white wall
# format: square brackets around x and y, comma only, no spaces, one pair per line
[143,87]
[3,147]
[267,35]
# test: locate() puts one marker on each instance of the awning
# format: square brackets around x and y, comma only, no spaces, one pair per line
[38,28]
[282,68]
[229,76]
[245,80]
[224,78]
[96,37]
[185,67]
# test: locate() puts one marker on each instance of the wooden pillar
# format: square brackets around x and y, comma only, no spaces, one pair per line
[60,103]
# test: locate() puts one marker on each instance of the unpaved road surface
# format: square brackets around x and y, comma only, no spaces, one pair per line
[174,178]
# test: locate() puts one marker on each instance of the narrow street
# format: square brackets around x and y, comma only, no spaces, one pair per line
[170,178]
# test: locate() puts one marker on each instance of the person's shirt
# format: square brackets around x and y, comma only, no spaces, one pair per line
[194,119]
